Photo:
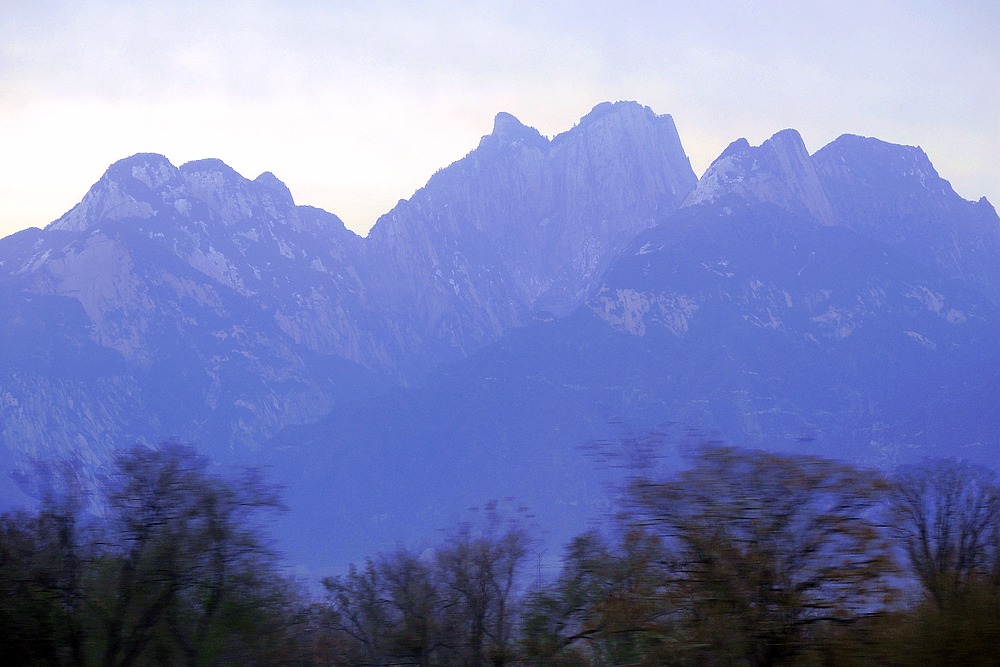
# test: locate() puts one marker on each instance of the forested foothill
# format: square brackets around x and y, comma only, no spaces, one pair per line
[744,557]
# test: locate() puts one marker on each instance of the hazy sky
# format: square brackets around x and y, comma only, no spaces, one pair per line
[355,104]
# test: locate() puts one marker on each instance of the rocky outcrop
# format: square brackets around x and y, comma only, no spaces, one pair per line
[534,295]
[859,267]
[519,225]
[136,188]
[265,313]
[779,171]
[892,193]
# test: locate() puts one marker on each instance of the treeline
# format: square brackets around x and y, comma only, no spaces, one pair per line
[744,558]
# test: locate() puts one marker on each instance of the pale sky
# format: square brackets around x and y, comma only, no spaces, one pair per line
[354,105]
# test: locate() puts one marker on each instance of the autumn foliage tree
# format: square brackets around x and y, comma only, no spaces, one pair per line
[768,548]
[745,557]
[610,604]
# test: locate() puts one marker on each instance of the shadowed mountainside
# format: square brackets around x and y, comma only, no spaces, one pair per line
[536,295]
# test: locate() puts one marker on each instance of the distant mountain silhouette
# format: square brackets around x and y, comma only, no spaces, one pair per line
[534,298]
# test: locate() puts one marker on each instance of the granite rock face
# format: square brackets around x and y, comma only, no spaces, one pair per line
[534,295]
[779,171]
[521,224]
[757,314]
[892,193]
[845,298]
[266,313]
[207,296]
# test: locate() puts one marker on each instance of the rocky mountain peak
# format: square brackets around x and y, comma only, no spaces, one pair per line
[739,147]
[509,131]
[872,180]
[892,193]
[214,166]
[134,187]
[876,162]
[151,169]
[523,224]
[211,174]
[274,184]
[617,134]
[779,171]
[626,121]
[235,198]
[147,185]
[788,146]
[619,112]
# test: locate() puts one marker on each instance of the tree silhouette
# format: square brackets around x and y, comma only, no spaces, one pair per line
[947,518]
[183,552]
[610,605]
[767,547]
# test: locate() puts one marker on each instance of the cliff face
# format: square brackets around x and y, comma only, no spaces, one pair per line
[779,171]
[798,294]
[210,300]
[756,314]
[531,297]
[519,225]
[265,314]
[893,194]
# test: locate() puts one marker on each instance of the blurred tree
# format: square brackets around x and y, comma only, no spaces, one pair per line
[457,606]
[767,547]
[609,605]
[183,559]
[479,572]
[175,571]
[42,563]
[31,616]
[947,518]
[358,611]
[414,602]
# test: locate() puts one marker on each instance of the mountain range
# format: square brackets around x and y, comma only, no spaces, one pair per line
[512,327]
